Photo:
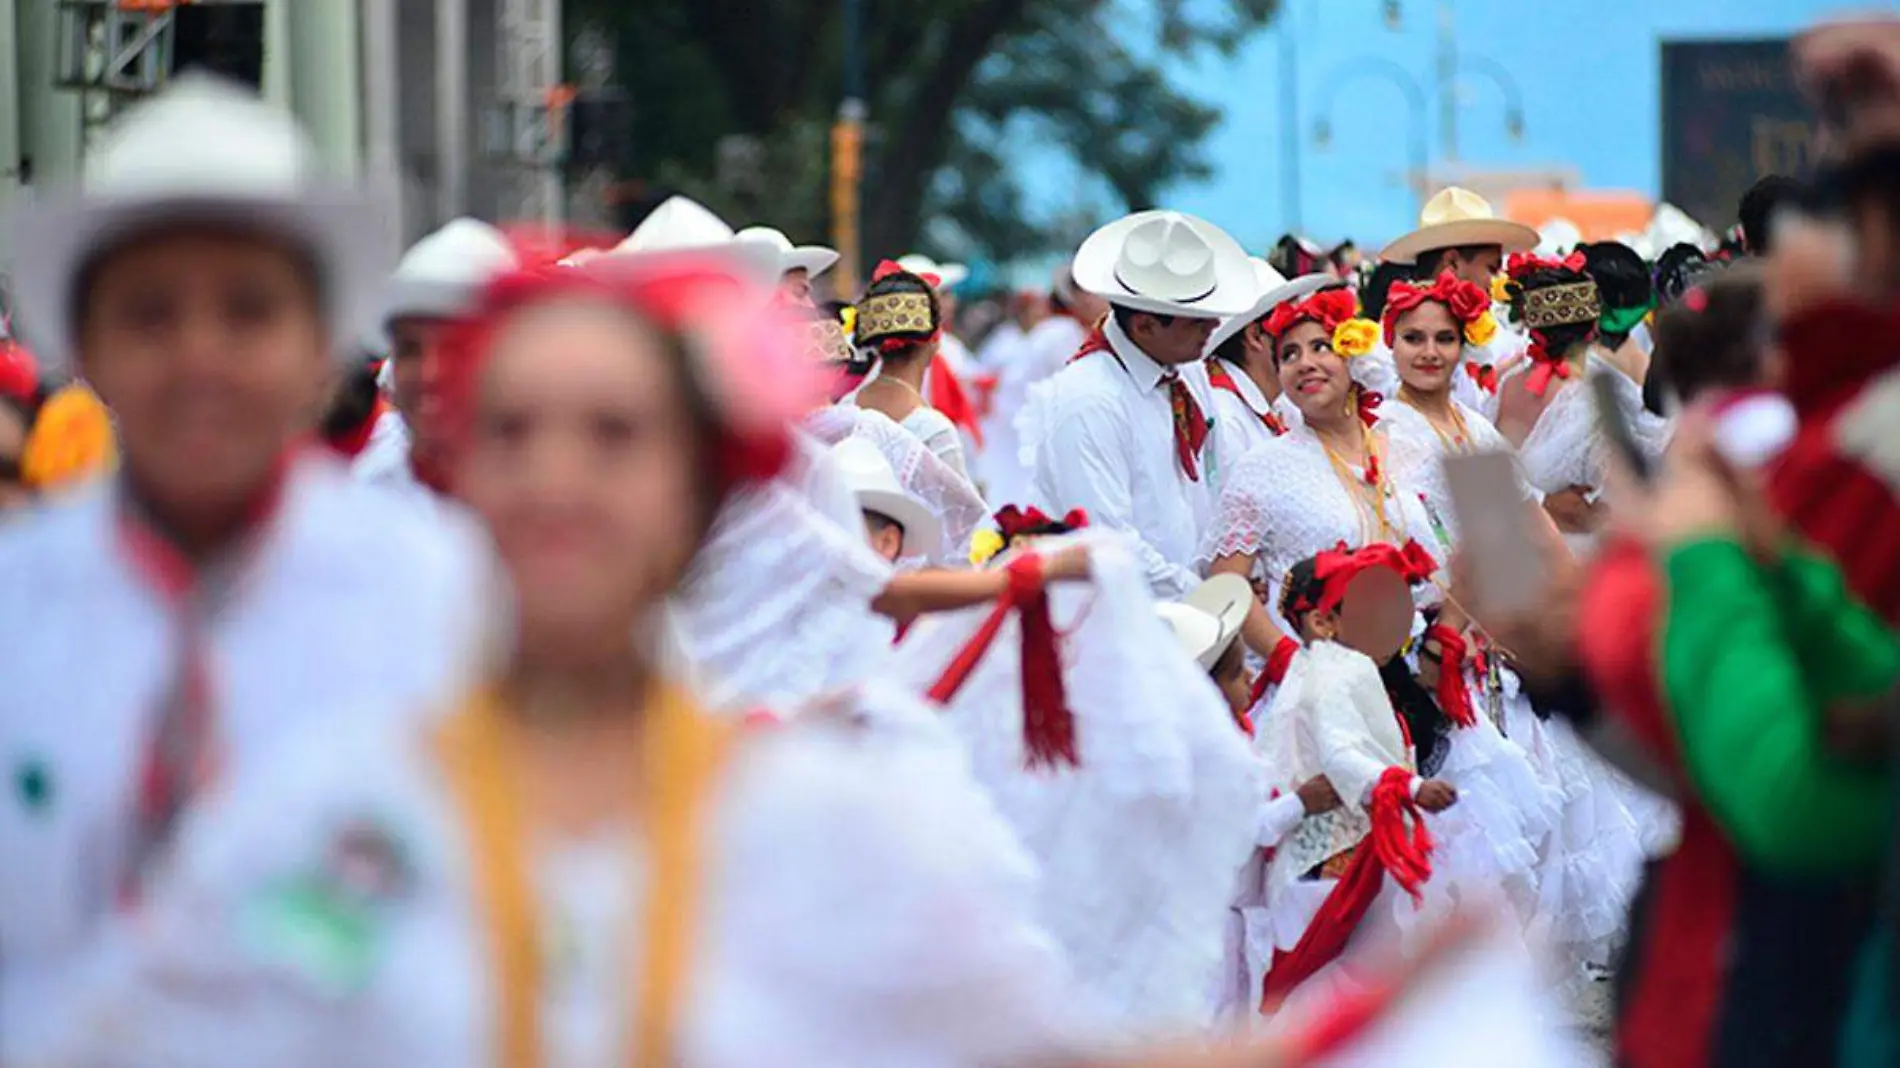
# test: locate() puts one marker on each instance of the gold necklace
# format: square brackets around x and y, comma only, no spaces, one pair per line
[1368,491]
[1459,441]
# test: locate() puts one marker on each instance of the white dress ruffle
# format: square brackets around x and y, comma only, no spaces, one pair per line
[948,494]
[1138,845]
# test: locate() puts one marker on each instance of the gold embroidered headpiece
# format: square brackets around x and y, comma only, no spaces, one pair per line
[825,341]
[903,316]
[1572,302]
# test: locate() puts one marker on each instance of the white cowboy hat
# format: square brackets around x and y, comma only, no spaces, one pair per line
[202,151]
[1456,217]
[442,275]
[1208,619]
[1166,263]
[1275,290]
[875,484]
[814,260]
[680,224]
[948,274]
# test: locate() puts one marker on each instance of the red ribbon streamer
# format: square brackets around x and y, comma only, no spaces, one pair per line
[1048,724]
[1453,696]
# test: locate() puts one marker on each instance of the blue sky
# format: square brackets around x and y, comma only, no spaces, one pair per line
[1588,71]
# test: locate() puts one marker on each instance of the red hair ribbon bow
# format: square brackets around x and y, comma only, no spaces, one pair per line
[1485,375]
[1048,724]
[1369,402]
[1544,367]
[1336,568]
[1466,302]
[1522,263]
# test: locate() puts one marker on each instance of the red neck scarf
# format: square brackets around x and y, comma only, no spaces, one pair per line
[1221,378]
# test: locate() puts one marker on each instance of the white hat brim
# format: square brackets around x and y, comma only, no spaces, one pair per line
[951,275]
[814,260]
[58,237]
[923,532]
[1235,285]
[1228,598]
[1198,633]
[1511,236]
[755,259]
[1304,285]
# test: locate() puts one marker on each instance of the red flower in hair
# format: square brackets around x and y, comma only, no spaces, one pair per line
[1016,522]
[1466,302]
[1328,308]
[1522,263]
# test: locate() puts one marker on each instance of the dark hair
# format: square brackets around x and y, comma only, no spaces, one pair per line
[1293,256]
[1431,262]
[1424,720]
[1676,270]
[1373,292]
[1714,341]
[1757,212]
[1125,318]
[900,345]
[1338,255]
[878,522]
[1234,349]
[1622,280]
[1560,339]
[354,403]
[1301,584]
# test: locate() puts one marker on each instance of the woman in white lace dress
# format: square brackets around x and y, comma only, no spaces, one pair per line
[1543,407]
[1546,409]
[1336,479]
[1589,863]
[900,322]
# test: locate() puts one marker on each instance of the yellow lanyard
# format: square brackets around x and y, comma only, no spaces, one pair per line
[685,750]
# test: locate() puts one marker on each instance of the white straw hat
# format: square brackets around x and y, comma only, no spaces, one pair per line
[814,260]
[1207,621]
[442,275]
[1275,290]
[681,224]
[203,151]
[1167,263]
[1456,217]
[871,478]
[948,274]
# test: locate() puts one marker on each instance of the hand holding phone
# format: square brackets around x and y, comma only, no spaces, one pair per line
[1509,568]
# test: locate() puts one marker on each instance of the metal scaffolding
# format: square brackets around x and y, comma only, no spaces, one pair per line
[529,125]
[112,50]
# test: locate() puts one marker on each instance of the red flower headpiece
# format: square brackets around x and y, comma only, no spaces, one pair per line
[19,371]
[886,268]
[1335,569]
[1016,522]
[1466,302]
[736,338]
[1328,308]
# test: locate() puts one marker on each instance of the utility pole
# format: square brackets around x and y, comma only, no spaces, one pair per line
[847,148]
[1447,81]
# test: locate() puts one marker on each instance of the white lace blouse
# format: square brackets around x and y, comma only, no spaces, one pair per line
[1286,502]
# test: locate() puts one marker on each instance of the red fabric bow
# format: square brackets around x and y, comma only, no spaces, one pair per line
[1048,724]
[1369,402]
[1466,302]
[1453,696]
[1522,263]
[1328,308]
[1485,375]
[1392,849]
[1336,568]
[1013,522]
[1544,366]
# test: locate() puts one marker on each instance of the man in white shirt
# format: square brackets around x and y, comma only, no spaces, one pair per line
[1124,432]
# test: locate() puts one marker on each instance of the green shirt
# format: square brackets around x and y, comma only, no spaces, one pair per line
[1751,658]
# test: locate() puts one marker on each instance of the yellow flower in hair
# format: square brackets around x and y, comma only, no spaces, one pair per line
[1481,330]
[71,440]
[1355,337]
[984,544]
[849,315]
[1500,289]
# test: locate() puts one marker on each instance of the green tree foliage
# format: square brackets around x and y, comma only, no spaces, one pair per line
[734,99]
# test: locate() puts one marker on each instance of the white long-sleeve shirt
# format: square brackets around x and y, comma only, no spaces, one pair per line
[1104,442]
